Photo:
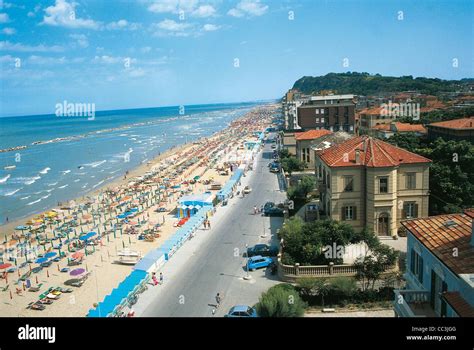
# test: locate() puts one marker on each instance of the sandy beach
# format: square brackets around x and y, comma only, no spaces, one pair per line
[183,170]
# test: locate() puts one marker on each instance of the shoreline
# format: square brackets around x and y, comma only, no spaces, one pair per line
[212,152]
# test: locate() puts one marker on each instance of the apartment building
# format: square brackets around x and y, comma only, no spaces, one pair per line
[369,118]
[330,112]
[369,183]
[440,267]
[457,129]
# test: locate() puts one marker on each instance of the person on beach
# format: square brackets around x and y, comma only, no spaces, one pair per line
[161,277]
[155,281]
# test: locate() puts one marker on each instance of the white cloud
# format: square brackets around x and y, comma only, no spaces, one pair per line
[123,24]
[33,13]
[81,40]
[193,8]
[105,59]
[18,47]
[173,6]
[248,8]
[8,31]
[204,11]
[4,18]
[171,27]
[145,49]
[63,14]
[210,27]
[42,60]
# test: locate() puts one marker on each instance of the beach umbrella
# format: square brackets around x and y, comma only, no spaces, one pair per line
[77,272]
[77,255]
[50,255]
[5,266]
[41,260]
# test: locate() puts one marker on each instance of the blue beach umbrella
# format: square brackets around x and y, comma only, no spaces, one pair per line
[41,260]
[50,255]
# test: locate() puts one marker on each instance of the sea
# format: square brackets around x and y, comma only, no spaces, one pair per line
[69,156]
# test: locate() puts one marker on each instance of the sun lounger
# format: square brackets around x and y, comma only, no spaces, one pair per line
[4,289]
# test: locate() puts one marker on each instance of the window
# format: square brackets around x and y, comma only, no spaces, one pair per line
[320,171]
[410,181]
[349,212]
[322,110]
[322,120]
[317,120]
[317,111]
[410,210]
[329,181]
[416,265]
[348,183]
[383,185]
[307,155]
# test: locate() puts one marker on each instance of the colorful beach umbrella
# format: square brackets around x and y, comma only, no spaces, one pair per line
[41,260]
[77,255]
[77,272]
[5,266]
[50,255]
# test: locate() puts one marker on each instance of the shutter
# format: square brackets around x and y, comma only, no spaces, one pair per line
[433,287]
[415,214]
[420,269]
[444,288]
[404,211]
[354,208]
[412,261]
[343,213]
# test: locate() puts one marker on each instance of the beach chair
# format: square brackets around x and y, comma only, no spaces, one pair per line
[4,289]
[35,289]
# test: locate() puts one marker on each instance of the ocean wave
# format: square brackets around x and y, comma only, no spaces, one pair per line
[34,202]
[84,186]
[31,180]
[53,184]
[23,198]
[63,186]
[98,184]
[66,172]
[96,164]
[4,179]
[45,171]
[77,180]
[11,193]
[44,197]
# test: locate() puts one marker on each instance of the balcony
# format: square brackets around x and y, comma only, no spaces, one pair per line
[413,303]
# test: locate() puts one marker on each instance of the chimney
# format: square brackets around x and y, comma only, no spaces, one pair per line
[357,156]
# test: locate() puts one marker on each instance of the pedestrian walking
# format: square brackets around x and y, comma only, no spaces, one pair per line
[208,225]
[161,277]
[155,281]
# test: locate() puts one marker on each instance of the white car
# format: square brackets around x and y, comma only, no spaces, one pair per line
[247,190]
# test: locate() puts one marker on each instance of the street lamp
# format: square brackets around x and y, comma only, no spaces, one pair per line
[247,275]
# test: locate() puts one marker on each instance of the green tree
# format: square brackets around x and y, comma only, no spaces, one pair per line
[281,300]
[305,185]
[291,164]
[409,141]
[371,266]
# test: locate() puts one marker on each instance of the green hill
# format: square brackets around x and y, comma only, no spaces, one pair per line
[367,84]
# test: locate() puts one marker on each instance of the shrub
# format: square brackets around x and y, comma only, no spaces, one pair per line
[281,300]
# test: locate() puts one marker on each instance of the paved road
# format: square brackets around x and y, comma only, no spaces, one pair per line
[213,262]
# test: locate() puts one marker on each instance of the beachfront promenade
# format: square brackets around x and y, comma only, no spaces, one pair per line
[106,214]
[212,262]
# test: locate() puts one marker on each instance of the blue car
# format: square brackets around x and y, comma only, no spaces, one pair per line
[258,261]
[241,311]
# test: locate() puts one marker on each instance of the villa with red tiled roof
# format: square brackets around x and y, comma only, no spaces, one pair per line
[368,118]
[304,141]
[457,129]
[369,183]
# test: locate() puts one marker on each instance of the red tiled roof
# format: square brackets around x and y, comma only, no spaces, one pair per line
[373,152]
[459,304]
[385,127]
[372,111]
[469,212]
[311,134]
[463,123]
[442,238]
[407,127]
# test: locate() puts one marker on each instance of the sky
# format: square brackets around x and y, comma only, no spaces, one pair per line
[148,53]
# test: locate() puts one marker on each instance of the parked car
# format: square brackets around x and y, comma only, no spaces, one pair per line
[242,311]
[258,262]
[247,189]
[274,146]
[271,209]
[275,168]
[262,249]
